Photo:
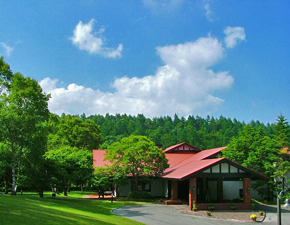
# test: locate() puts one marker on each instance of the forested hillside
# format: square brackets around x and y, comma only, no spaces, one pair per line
[204,133]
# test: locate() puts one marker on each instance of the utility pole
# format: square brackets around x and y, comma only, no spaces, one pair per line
[279,207]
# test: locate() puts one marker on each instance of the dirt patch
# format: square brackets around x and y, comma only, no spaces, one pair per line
[242,216]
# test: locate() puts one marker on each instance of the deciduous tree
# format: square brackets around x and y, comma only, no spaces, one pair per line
[23,105]
[138,156]
[74,167]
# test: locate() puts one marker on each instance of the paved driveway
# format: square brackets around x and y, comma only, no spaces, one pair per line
[166,215]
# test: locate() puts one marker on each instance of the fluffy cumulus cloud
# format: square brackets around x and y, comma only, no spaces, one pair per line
[184,84]
[7,48]
[93,42]
[234,35]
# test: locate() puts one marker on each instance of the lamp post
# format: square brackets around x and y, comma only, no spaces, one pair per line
[279,207]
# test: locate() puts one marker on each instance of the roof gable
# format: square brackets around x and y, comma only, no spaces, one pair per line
[183,147]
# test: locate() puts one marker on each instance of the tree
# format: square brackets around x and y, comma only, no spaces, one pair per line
[282,133]
[108,177]
[23,106]
[70,145]
[74,167]
[5,75]
[282,137]
[75,132]
[5,166]
[138,156]
[254,150]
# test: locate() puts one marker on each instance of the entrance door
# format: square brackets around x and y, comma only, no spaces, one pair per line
[183,190]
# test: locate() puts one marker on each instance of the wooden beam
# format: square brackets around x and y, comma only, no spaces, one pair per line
[174,189]
[192,192]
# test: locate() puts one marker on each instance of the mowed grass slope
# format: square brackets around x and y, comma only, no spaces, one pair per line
[31,209]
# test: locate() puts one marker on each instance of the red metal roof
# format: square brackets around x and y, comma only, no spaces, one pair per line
[188,168]
[98,157]
[208,153]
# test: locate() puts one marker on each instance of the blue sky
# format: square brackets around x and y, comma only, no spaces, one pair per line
[156,57]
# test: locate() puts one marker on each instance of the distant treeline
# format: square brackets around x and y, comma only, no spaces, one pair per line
[204,133]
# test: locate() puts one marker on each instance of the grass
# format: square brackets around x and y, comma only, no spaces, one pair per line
[30,209]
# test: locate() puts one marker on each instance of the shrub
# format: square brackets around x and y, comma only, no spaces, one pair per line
[140,195]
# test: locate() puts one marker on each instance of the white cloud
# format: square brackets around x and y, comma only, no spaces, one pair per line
[233,35]
[85,39]
[7,48]
[185,84]
[208,12]
[162,5]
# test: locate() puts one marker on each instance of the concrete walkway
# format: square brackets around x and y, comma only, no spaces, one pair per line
[167,215]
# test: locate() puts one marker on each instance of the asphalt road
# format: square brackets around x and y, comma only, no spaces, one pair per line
[166,215]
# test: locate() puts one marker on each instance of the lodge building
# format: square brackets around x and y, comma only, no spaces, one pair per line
[197,176]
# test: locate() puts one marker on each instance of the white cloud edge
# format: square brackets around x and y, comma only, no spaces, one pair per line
[233,36]
[93,42]
[208,12]
[158,6]
[8,49]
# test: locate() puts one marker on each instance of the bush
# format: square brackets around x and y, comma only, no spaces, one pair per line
[140,195]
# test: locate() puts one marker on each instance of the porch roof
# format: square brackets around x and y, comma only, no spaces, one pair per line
[188,168]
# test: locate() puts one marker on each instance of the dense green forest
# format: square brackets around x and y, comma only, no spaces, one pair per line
[204,133]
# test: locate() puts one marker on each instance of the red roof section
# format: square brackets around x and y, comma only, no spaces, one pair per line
[208,153]
[187,168]
[98,157]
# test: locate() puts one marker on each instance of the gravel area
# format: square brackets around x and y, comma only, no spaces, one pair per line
[241,216]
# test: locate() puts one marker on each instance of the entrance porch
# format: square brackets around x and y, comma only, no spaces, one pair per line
[212,193]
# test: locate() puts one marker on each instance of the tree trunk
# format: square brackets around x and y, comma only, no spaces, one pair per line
[14,187]
[65,191]
[68,187]
[135,183]
[6,187]
[41,193]
[112,195]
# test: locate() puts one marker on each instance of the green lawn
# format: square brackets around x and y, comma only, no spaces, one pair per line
[29,209]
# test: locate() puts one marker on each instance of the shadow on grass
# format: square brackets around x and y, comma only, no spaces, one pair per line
[34,210]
